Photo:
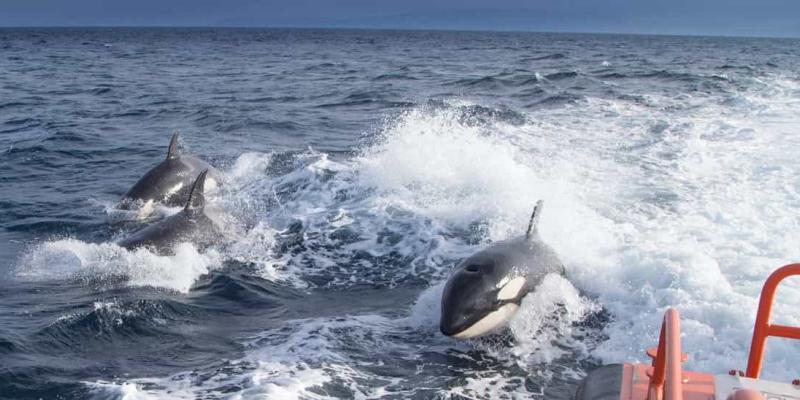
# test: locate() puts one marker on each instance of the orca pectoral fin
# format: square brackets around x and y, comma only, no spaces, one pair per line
[172,151]
[533,224]
[196,198]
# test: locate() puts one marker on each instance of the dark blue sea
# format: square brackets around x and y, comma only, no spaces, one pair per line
[359,167]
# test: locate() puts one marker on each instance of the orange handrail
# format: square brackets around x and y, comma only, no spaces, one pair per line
[666,383]
[762,327]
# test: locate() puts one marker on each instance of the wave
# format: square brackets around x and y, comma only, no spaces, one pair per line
[553,56]
[556,76]
[632,250]
[653,201]
[336,357]
[508,79]
[114,321]
[242,293]
[558,100]
[106,263]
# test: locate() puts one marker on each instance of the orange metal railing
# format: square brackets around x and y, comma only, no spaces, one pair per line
[666,383]
[763,328]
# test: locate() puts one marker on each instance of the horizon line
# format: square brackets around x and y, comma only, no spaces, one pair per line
[473,30]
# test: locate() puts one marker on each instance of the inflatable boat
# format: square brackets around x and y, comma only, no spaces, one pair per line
[664,379]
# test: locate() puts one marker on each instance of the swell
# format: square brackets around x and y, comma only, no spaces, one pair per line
[116,322]
[516,79]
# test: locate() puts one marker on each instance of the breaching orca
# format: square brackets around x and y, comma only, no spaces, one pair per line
[486,288]
[189,225]
[170,181]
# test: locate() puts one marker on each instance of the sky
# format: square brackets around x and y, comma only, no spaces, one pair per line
[777,18]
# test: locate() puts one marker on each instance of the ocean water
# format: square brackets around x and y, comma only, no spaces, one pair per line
[360,166]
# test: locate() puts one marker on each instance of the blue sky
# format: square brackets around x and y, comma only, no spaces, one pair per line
[703,17]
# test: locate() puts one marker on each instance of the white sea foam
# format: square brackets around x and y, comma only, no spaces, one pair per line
[121,391]
[249,166]
[74,259]
[543,330]
[649,208]
[345,357]
[141,212]
[687,201]
[544,324]
[292,362]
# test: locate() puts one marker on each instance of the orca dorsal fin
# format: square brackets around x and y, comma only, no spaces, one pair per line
[533,224]
[197,200]
[172,151]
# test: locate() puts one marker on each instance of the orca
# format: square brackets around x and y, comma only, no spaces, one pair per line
[189,225]
[486,288]
[170,181]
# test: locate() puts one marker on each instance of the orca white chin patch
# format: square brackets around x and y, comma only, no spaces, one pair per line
[490,322]
[174,190]
[146,209]
[509,289]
